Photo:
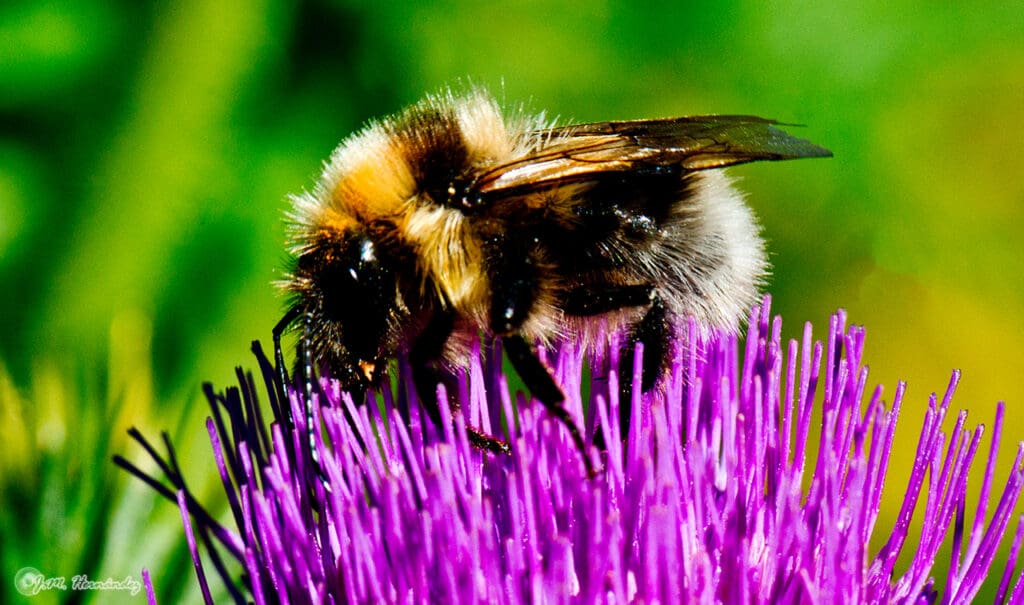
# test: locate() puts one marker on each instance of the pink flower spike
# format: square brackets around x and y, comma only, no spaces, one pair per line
[701,499]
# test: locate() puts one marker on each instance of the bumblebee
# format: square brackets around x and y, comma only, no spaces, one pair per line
[454,219]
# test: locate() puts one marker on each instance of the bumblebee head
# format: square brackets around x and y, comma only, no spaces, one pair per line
[347,293]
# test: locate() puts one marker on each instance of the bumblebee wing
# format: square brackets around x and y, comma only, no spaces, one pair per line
[584,152]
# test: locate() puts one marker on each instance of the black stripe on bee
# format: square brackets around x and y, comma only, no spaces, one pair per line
[622,215]
[437,152]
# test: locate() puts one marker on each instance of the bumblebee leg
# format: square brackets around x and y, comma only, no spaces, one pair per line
[309,379]
[514,274]
[304,367]
[282,373]
[653,330]
[598,299]
[538,379]
[425,375]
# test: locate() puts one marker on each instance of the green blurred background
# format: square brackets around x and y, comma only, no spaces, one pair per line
[146,151]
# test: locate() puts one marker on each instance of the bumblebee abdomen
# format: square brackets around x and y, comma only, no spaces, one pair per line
[709,259]
[687,233]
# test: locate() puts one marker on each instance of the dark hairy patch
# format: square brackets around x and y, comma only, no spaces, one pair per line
[351,292]
[436,151]
[514,276]
[618,217]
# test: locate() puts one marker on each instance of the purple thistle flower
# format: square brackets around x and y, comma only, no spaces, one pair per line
[710,497]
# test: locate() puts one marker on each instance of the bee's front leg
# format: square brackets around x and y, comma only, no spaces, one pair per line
[425,351]
[514,278]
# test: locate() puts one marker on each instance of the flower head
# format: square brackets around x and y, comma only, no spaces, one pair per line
[711,496]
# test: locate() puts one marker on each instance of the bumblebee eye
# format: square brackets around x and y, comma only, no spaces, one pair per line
[353,290]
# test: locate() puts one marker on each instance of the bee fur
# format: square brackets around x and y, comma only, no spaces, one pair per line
[455,219]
